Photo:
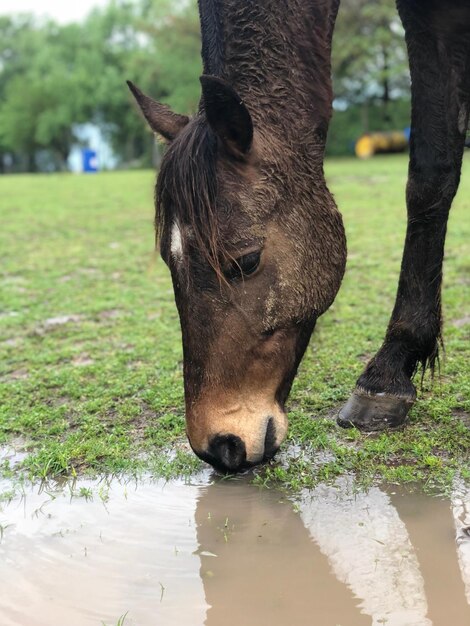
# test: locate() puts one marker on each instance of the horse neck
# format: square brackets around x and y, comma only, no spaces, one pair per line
[276,55]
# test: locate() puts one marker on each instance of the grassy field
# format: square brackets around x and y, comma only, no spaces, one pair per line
[91,363]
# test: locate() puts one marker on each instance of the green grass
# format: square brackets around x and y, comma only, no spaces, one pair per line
[120,621]
[100,389]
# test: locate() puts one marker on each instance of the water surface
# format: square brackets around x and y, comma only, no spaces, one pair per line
[225,552]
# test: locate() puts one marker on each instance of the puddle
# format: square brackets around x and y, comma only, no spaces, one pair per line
[220,552]
[13,455]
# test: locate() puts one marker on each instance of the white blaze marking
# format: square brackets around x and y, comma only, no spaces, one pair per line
[176,245]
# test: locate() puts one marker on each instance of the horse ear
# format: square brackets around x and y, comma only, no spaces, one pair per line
[227,115]
[160,117]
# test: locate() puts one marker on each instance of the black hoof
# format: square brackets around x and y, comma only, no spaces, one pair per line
[374,412]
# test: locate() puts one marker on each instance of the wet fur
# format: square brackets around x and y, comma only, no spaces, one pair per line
[260,181]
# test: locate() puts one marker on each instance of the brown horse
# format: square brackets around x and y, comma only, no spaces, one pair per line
[252,236]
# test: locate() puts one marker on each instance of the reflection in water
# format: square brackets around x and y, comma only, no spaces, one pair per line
[74,562]
[461,512]
[369,550]
[224,552]
[430,527]
[259,565]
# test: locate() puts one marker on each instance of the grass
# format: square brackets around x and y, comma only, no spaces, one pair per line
[90,349]
[120,621]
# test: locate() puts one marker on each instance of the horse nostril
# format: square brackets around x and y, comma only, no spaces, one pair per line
[228,452]
[270,446]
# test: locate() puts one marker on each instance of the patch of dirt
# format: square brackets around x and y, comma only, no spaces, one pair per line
[12,342]
[462,415]
[183,445]
[19,374]
[89,271]
[125,347]
[82,360]
[52,323]
[109,314]
[61,401]
[132,365]
[463,321]
[153,316]
[13,279]
[66,278]
[7,314]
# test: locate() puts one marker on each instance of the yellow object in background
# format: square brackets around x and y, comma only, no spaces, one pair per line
[376,143]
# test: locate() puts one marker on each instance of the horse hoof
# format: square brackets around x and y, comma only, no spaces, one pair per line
[374,412]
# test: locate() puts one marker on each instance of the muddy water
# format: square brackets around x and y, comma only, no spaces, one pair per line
[221,552]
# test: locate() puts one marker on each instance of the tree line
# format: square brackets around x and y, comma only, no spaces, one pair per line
[55,78]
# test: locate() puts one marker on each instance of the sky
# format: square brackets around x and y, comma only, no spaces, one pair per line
[62,11]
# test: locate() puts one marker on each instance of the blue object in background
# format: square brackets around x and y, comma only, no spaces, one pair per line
[407,133]
[89,160]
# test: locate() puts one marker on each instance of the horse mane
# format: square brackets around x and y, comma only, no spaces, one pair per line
[212,51]
[186,190]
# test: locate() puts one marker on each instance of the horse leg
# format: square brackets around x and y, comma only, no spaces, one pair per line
[438,41]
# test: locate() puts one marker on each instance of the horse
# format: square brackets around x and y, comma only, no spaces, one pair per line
[252,236]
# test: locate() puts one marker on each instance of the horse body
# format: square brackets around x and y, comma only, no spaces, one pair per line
[252,236]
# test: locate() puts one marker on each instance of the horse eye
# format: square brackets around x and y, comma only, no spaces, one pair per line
[249,263]
[243,266]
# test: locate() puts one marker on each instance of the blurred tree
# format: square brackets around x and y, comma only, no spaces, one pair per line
[18,41]
[369,52]
[176,41]
[156,44]
[370,67]
[114,44]
[369,56]
[45,90]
